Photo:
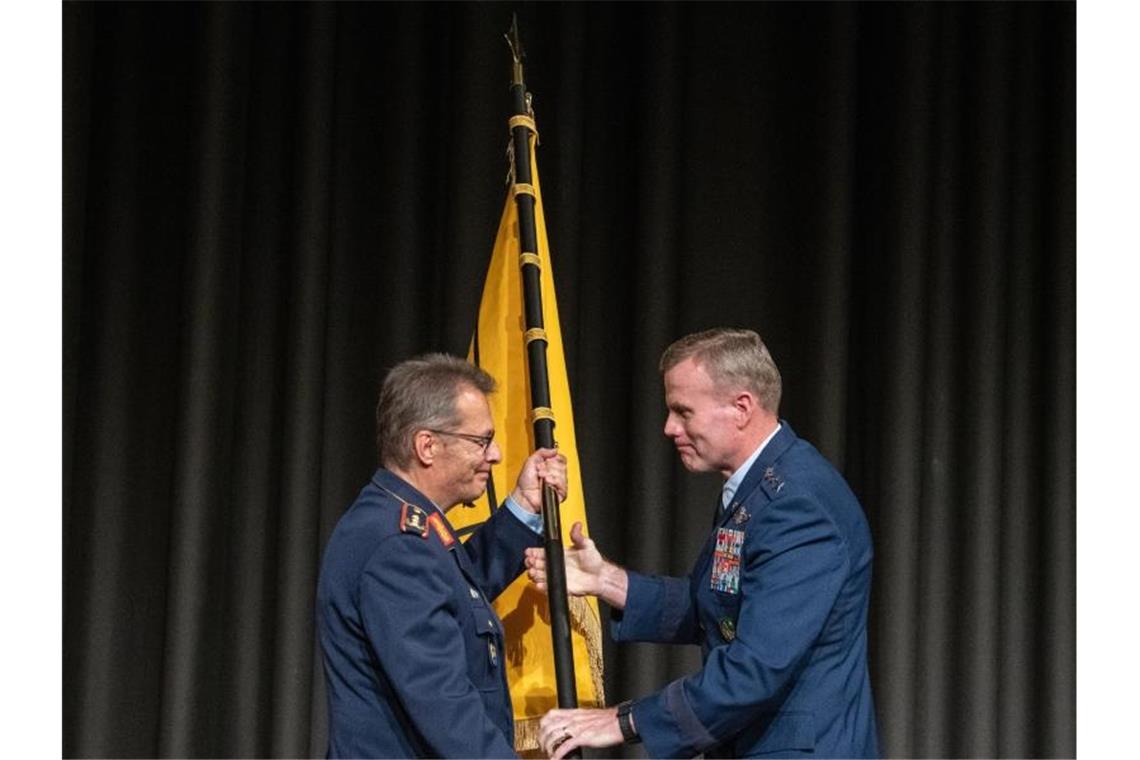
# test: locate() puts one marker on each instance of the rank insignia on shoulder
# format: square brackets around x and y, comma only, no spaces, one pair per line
[413,519]
[773,480]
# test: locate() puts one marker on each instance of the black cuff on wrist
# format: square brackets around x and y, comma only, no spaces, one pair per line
[625,723]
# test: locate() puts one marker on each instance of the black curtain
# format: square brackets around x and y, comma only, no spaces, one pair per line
[266,205]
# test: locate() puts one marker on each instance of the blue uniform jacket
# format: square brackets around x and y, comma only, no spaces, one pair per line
[413,651]
[778,601]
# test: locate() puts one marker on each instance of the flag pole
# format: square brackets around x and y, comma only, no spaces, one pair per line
[542,416]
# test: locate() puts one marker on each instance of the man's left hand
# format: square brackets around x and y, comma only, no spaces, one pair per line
[543,466]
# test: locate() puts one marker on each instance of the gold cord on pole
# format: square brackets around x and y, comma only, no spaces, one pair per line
[541,413]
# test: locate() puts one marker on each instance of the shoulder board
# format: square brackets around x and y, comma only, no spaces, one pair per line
[413,519]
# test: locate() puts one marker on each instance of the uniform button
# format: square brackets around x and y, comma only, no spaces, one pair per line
[474,593]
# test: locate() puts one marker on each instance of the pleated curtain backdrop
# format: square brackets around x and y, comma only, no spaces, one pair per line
[266,205]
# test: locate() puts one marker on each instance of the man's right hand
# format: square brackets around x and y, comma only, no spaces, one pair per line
[587,571]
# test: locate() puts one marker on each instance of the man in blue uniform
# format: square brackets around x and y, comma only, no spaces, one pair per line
[777,598]
[413,651]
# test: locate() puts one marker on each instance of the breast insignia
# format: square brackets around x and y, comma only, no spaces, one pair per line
[413,519]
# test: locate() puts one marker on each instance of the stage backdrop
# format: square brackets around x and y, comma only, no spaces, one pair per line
[266,205]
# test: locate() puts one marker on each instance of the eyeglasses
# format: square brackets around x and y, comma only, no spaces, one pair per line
[482,441]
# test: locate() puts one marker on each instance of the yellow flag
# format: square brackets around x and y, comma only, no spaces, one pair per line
[498,347]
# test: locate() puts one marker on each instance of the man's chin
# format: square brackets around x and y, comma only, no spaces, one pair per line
[692,462]
[474,495]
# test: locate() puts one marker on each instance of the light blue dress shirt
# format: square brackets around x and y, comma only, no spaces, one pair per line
[737,477]
[529,519]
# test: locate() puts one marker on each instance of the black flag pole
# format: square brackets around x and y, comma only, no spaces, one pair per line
[542,417]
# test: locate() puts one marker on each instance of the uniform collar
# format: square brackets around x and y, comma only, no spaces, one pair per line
[767,457]
[402,489]
[733,483]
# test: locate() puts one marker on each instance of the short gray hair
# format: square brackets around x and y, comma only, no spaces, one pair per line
[420,393]
[734,359]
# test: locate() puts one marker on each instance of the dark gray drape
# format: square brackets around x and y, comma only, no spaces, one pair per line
[265,205]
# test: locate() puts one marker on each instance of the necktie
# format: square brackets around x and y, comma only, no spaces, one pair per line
[718,508]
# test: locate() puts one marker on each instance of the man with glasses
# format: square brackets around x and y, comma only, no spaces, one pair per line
[413,650]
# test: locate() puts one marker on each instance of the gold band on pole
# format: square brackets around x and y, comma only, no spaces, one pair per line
[524,189]
[535,333]
[522,120]
[541,413]
[529,258]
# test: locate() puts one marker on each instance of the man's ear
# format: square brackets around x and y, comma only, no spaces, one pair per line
[746,407]
[423,446]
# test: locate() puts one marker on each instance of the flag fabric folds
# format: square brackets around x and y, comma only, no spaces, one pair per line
[498,347]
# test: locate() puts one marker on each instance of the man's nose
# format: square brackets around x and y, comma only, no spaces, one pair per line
[494,454]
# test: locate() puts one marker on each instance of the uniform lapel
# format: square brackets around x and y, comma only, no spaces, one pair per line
[780,443]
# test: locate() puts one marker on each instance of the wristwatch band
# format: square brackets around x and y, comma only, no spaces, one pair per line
[625,723]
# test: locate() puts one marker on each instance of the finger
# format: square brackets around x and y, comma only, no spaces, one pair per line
[577,536]
[550,738]
[566,747]
[558,737]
